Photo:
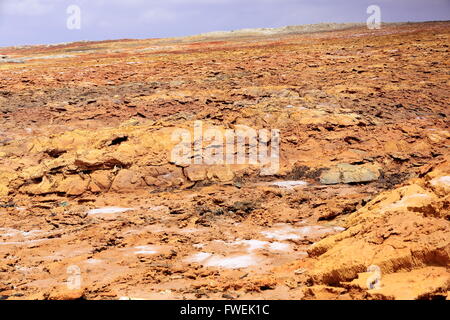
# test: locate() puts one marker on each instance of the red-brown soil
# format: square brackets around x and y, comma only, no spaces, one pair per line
[363,119]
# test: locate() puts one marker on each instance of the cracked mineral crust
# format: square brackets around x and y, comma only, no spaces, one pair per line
[357,208]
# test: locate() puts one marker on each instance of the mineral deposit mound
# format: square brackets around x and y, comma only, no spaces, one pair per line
[94,205]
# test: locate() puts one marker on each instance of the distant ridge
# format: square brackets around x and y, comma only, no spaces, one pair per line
[306,28]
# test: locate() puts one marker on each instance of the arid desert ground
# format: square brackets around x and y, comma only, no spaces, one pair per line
[93,206]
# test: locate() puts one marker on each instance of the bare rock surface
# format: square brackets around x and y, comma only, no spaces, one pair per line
[359,208]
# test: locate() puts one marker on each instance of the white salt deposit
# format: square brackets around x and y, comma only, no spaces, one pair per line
[199,257]
[287,232]
[93,261]
[279,246]
[290,184]
[445,180]
[407,200]
[235,262]
[159,208]
[9,232]
[281,234]
[252,245]
[145,250]
[107,210]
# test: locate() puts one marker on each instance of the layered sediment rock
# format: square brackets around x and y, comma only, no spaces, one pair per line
[354,121]
[405,232]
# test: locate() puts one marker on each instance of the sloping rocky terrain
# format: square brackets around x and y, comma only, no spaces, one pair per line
[358,210]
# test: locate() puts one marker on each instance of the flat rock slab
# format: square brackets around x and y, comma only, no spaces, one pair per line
[347,173]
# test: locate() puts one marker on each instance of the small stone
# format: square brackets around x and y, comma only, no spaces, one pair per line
[100,181]
[127,180]
[74,186]
[347,173]
[66,294]
[331,177]
[221,173]
[196,172]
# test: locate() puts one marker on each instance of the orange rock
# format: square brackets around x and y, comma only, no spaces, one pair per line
[62,293]
[196,172]
[394,231]
[127,180]
[100,181]
[74,185]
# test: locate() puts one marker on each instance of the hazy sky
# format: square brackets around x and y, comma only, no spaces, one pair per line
[45,21]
